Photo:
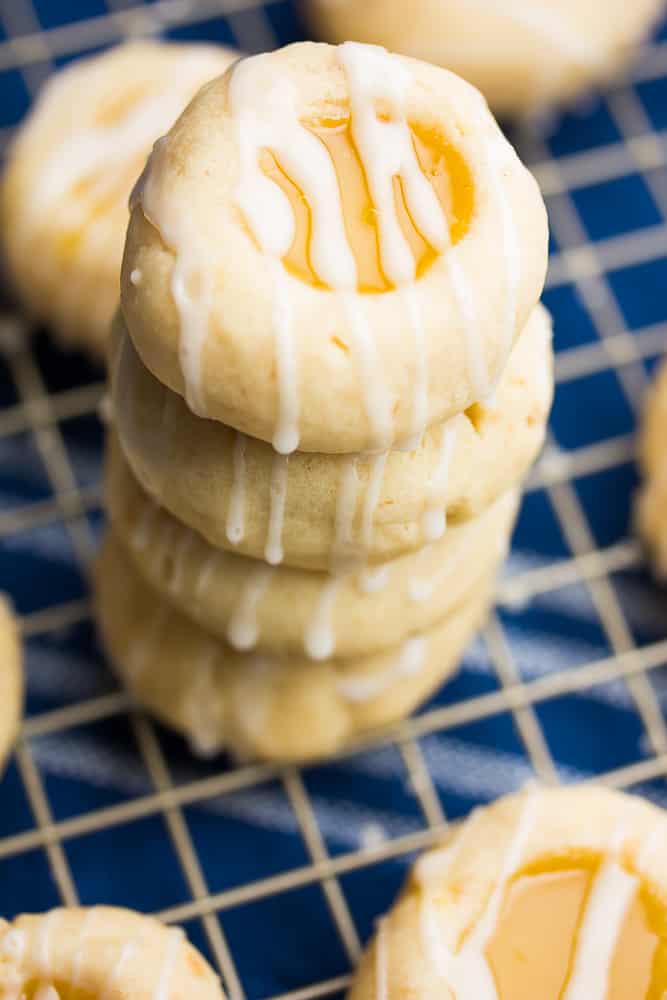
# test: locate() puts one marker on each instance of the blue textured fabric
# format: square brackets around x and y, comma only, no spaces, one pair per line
[249,831]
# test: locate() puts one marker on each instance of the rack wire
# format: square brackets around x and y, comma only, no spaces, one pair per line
[278,872]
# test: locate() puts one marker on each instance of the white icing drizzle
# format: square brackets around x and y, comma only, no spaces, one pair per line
[420,402]
[264,106]
[201,711]
[319,639]
[191,278]
[79,953]
[343,551]
[180,557]
[366,687]
[373,580]
[235,527]
[174,943]
[467,972]
[43,942]
[381,963]
[434,517]
[497,153]
[243,629]
[273,552]
[372,498]
[136,277]
[376,398]
[608,902]
[46,992]
[14,944]
[126,953]
[387,151]
[657,841]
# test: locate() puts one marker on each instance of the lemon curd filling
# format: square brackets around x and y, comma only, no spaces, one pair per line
[533,949]
[441,163]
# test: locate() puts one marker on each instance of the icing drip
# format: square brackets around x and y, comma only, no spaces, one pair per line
[377,402]
[656,842]
[264,106]
[191,280]
[373,581]
[273,552]
[77,959]
[467,971]
[13,945]
[202,714]
[344,550]
[372,497]
[174,944]
[381,972]
[235,527]
[243,630]
[434,517]
[420,403]
[126,953]
[608,903]
[43,943]
[369,686]
[319,640]
[46,992]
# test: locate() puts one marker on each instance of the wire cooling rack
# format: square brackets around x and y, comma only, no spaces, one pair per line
[278,873]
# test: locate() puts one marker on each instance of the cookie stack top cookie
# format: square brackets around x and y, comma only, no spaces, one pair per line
[332,250]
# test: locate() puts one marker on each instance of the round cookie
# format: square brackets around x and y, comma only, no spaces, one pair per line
[651,504]
[70,172]
[251,605]
[522,54]
[332,249]
[256,705]
[240,496]
[556,894]
[102,951]
[11,680]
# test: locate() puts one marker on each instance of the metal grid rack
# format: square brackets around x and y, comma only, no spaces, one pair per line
[277,873]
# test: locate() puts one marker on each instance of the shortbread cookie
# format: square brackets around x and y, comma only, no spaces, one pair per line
[11,680]
[554,894]
[651,506]
[524,55]
[252,605]
[258,705]
[101,952]
[332,249]
[71,171]
[315,508]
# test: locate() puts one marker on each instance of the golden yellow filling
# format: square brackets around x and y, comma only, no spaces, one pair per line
[533,950]
[441,163]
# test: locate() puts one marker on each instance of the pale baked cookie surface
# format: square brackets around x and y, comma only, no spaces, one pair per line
[554,894]
[224,484]
[259,705]
[70,172]
[11,680]
[101,951]
[651,504]
[524,55]
[333,249]
[251,605]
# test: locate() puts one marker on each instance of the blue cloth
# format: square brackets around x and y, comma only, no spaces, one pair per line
[244,824]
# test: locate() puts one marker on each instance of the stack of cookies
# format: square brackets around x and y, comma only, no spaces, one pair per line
[330,373]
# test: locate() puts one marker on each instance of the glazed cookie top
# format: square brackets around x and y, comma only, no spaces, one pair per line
[72,165]
[100,952]
[332,249]
[559,894]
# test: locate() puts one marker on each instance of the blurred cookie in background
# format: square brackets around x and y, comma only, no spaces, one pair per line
[70,172]
[11,680]
[651,505]
[524,55]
